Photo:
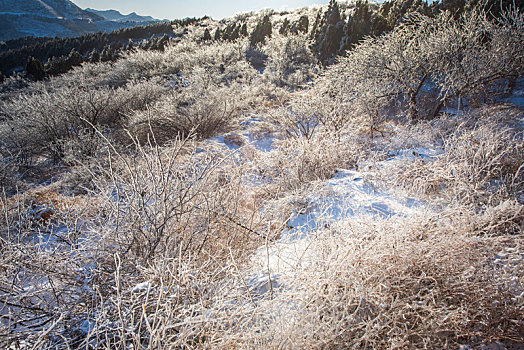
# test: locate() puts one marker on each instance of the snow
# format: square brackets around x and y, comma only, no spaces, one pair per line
[141,287]
[87,326]
[517,94]
[349,194]
[253,134]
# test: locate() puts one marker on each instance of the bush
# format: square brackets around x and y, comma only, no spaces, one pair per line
[482,165]
[198,108]
[290,62]
[48,121]
[476,56]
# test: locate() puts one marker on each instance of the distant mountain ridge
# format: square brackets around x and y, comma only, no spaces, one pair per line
[116,16]
[59,18]
[59,9]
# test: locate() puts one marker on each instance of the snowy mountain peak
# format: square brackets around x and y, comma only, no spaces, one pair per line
[114,15]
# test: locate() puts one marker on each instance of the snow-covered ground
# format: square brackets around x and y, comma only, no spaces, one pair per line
[349,194]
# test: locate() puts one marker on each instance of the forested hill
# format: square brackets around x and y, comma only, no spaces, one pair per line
[58,55]
[60,18]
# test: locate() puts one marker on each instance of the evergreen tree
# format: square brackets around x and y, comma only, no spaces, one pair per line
[35,69]
[130,46]
[262,30]
[243,30]
[74,58]
[333,13]
[303,24]
[218,34]
[235,33]
[330,33]
[285,27]
[106,54]
[52,67]
[207,35]
[315,32]
[94,57]
[159,44]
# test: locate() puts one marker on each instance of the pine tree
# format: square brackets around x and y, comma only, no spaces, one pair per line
[35,69]
[94,56]
[235,33]
[303,24]
[106,54]
[218,34]
[243,30]
[52,67]
[74,58]
[262,30]
[285,27]
[316,31]
[207,35]
[333,13]
[330,33]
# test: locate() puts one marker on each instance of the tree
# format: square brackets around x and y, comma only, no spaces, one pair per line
[397,73]
[53,66]
[218,34]
[106,54]
[262,30]
[35,69]
[330,32]
[303,24]
[284,28]
[94,56]
[74,58]
[207,35]
[243,30]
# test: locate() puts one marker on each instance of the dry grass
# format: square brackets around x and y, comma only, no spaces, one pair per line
[149,236]
[481,165]
[395,284]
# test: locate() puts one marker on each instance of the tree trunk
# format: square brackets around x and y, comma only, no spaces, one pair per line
[437,109]
[413,114]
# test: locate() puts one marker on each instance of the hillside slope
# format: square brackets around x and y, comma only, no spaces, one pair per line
[52,18]
[227,190]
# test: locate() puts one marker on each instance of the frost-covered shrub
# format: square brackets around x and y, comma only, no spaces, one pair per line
[299,161]
[399,72]
[297,118]
[194,107]
[48,120]
[225,61]
[481,165]
[8,172]
[290,61]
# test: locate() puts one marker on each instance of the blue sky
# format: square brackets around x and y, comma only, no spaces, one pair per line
[172,9]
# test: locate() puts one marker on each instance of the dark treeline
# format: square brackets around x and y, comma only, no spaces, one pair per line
[30,51]
[333,34]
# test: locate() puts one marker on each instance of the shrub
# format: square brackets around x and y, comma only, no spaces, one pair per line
[202,108]
[474,56]
[290,62]
[48,121]
[481,165]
